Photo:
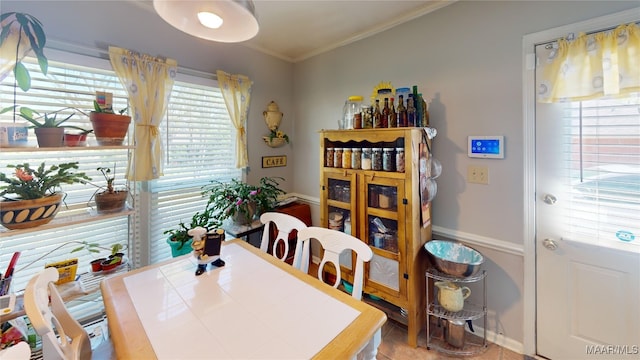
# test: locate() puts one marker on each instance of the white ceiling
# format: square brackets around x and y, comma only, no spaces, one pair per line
[294,30]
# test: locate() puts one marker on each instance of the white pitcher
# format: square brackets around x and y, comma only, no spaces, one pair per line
[451,296]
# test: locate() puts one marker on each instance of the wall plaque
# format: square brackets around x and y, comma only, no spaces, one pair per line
[274,161]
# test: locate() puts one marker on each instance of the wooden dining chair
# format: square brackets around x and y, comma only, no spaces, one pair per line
[285,224]
[63,338]
[333,243]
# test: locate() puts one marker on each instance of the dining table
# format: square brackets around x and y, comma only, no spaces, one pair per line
[253,307]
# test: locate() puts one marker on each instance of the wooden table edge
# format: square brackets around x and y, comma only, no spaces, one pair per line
[349,341]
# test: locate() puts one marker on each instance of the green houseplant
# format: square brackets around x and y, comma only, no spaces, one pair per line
[102,263]
[179,239]
[49,130]
[35,193]
[241,201]
[109,199]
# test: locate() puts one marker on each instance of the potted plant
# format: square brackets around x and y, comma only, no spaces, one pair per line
[109,199]
[20,34]
[36,197]
[73,139]
[49,131]
[180,241]
[103,263]
[110,128]
[241,201]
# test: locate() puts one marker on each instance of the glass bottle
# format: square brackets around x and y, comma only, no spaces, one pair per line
[425,112]
[367,117]
[356,158]
[400,159]
[411,112]
[388,159]
[402,113]
[377,116]
[384,123]
[337,157]
[365,164]
[376,159]
[417,103]
[393,119]
[346,158]
[329,158]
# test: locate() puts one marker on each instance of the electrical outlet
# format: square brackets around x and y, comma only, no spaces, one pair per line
[478,174]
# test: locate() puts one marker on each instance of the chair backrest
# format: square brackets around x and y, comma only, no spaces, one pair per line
[73,341]
[333,243]
[285,224]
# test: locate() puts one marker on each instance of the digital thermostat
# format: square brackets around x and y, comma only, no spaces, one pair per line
[488,147]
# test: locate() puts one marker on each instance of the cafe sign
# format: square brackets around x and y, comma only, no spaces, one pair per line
[274,161]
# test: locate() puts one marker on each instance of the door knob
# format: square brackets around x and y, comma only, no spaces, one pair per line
[549,244]
[549,199]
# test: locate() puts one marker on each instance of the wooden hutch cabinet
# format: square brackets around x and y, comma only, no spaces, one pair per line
[383,209]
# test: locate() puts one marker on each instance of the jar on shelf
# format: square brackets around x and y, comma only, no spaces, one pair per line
[356,158]
[376,158]
[329,157]
[346,158]
[337,157]
[352,108]
[400,159]
[384,198]
[365,164]
[388,159]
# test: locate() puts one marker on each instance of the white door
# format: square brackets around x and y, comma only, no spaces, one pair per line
[588,229]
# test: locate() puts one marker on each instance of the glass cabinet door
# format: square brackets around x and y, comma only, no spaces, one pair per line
[383,229]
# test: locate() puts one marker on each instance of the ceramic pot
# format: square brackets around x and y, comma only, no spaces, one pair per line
[111,202]
[75,139]
[24,214]
[50,137]
[273,116]
[110,129]
[177,250]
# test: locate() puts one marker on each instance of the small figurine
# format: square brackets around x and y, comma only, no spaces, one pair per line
[206,247]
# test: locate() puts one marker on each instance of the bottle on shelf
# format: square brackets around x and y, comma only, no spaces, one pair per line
[411,112]
[377,115]
[385,114]
[367,117]
[393,118]
[402,113]
[425,112]
[417,102]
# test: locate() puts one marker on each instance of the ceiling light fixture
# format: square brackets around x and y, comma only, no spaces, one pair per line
[236,20]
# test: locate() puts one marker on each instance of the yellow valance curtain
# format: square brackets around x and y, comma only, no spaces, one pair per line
[236,91]
[591,66]
[148,81]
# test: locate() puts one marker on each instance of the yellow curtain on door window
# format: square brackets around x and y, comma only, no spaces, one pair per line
[148,81]
[591,66]
[236,91]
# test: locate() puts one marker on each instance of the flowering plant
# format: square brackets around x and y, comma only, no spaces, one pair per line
[277,133]
[32,184]
[237,198]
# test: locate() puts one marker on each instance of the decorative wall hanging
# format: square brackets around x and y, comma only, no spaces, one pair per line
[273,117]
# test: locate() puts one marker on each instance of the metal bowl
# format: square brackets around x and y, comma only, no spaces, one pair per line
[454,258]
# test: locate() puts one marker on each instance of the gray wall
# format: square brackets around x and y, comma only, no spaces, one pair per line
[466,59]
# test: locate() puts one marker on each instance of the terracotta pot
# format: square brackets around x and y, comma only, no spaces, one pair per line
[107,265]
[75,139]
[111,202]
[96,265]
[50,137]
[24,214]
[110,129]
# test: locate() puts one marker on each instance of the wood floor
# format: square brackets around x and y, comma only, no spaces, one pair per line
[394,346]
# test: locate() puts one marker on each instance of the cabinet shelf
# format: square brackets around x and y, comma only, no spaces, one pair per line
[470,312]
[62,221]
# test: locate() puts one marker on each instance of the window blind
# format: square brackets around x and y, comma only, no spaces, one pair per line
[602,151]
